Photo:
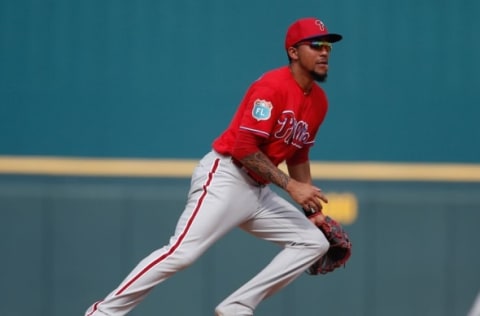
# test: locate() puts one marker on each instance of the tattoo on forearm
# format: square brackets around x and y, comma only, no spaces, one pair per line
[259,163]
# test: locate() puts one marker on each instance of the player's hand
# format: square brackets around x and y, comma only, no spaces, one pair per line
[306,195]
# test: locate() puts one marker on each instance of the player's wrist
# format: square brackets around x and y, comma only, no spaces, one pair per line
[290,184]
[287,181]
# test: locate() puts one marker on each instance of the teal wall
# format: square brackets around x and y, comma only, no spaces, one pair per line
[162,78]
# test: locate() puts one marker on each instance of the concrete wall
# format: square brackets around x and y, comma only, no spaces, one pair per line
[67,242]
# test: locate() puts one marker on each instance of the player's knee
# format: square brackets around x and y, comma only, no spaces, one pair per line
[312,243]
[186,259]
[312,239]
[323,246]
[319,242]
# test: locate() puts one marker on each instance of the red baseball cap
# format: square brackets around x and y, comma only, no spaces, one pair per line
[309,29]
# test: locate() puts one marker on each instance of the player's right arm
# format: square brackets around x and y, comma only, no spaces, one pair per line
[259,163]
[246,150]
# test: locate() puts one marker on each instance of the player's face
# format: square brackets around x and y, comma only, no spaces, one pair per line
[313,58]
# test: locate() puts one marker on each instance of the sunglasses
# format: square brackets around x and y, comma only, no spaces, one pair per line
[317,45]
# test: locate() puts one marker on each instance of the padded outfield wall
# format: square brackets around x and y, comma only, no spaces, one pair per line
[106,106]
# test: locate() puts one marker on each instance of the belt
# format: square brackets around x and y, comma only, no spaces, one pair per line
[248,172]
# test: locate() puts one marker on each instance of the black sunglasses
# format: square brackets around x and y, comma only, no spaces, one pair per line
[316,45]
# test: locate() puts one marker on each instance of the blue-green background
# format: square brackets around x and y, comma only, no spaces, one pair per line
[161,79]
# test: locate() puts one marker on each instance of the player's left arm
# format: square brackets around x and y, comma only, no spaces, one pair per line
[298,165]
[300,172]
[299,169]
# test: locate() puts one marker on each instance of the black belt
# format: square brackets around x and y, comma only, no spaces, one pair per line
[248,172]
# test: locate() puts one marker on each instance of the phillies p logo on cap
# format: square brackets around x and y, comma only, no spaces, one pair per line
[309,29]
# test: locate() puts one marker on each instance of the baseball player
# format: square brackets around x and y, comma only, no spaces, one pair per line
[277,121]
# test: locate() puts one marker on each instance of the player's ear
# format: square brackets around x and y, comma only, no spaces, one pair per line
[292,53]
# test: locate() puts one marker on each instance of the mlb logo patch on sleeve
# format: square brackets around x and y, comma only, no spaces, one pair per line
[262,110]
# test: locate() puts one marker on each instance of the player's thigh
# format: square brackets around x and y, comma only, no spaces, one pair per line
[214,207]
[280,222]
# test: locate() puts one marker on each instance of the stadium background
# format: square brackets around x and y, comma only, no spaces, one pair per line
[147,85]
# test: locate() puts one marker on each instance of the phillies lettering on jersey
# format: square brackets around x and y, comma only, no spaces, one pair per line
[292,131]
[276,108]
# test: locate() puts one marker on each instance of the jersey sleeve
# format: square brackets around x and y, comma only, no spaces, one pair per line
[300,156]
[262,105]
[246,144]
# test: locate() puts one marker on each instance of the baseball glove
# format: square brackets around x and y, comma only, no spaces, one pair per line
[339,251]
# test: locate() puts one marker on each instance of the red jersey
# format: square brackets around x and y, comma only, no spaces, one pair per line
[276,108]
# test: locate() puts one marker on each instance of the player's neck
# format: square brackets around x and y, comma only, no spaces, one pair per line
[303,79]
